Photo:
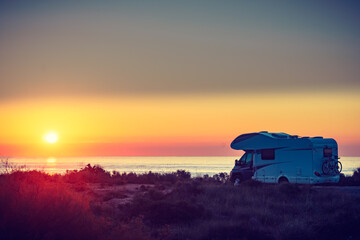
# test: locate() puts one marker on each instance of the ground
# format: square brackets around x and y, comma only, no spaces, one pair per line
[94,204]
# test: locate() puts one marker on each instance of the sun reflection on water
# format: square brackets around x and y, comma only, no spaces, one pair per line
[51,160]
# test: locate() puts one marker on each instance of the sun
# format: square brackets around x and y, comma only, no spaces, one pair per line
[50,137]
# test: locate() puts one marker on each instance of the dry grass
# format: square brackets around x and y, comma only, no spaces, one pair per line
[273,212]
[94,204]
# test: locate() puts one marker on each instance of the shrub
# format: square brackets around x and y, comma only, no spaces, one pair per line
[356,176]
[183,175]
[353,180]
[32,208]
[95,174]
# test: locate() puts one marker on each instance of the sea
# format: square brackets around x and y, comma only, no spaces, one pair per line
[197,166]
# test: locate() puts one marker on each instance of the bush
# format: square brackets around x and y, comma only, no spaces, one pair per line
[34,208]
[354,180]
[356,176]
[95,174]
[183,175]
[35,205]
[150,177]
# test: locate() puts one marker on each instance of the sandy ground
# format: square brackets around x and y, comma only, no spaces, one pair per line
[117,195]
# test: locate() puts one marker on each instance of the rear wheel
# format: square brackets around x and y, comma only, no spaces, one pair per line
[283,180]
[326,168]
[338,167]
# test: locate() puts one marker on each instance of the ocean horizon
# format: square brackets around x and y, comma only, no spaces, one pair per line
[197,165]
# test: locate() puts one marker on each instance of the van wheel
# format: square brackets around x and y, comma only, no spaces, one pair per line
[283,180]
[237,181]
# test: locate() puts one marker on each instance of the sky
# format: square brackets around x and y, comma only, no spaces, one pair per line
[179,78]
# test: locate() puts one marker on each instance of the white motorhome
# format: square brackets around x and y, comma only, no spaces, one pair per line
[280,157]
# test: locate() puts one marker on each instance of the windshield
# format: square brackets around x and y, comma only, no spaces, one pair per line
[246,159]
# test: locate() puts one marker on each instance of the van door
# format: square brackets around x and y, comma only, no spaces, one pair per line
[248,165]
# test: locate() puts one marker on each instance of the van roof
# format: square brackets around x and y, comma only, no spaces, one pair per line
[264,140]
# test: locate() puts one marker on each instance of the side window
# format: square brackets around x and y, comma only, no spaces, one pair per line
[243,158]
[248,159]
[327,152]
[268,154]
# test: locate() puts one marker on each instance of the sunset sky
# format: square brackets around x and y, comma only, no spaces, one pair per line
[180,78]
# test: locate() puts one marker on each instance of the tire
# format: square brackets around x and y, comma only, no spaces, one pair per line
[283,180]
[338,167]
[326,168]
[237,180]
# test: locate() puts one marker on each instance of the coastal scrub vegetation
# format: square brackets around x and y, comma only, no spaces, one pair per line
[36,205]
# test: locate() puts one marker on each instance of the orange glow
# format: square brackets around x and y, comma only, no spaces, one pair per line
[177,125]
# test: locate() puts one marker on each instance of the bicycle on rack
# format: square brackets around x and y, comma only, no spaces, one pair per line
[331,167]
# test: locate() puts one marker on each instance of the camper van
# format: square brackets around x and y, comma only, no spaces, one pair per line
[280,157]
